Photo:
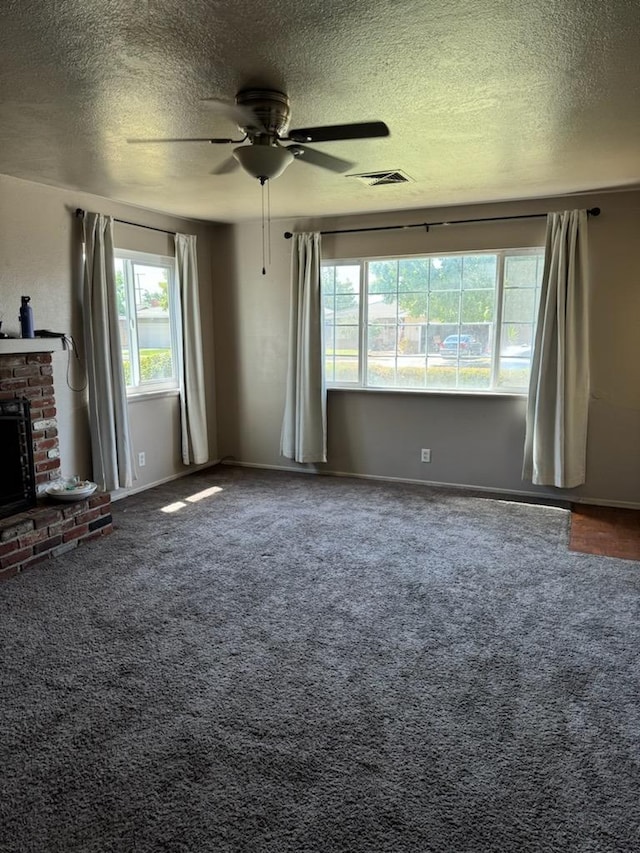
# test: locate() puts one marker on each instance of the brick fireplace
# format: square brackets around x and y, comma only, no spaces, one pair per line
[49,528]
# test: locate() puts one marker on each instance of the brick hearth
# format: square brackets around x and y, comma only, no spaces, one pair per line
[50,528]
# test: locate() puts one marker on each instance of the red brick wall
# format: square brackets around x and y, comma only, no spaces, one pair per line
[50,528]
[30,375]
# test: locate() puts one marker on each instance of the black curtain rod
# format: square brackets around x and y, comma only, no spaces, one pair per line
[80,214]
[592,211]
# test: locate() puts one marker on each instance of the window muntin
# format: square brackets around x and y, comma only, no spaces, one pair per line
[145,291]
[439,322]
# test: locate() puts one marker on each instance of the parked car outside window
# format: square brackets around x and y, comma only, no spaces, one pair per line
[462,345]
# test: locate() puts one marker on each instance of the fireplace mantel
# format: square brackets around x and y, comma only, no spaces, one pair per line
[8,346]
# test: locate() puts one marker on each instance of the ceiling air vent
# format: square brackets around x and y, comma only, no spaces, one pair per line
[379,179]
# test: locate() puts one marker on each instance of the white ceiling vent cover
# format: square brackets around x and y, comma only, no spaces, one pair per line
[379,179]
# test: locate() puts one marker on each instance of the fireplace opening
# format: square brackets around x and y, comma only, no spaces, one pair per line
[17,480]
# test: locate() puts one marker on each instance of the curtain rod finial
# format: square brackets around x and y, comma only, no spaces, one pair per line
[288,235]
[594,211]
[79,213]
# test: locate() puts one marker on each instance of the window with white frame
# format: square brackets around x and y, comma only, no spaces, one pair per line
[145,290]
[454,322]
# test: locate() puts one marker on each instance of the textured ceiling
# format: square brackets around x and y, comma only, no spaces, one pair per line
[485,99]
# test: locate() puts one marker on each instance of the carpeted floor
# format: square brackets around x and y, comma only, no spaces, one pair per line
[296,664]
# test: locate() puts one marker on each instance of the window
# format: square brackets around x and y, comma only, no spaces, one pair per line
[145,289]
[458,322]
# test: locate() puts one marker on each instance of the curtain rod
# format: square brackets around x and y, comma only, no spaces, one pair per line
[80,214]
[592,211]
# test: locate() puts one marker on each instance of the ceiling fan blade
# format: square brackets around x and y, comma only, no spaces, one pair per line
[331,132]
[242,116]
[319,158]
[190,139]
[226,167]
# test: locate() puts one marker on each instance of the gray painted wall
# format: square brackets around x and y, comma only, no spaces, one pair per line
[475,440]
[40,256]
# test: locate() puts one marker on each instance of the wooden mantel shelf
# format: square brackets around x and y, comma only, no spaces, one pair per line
[9,346]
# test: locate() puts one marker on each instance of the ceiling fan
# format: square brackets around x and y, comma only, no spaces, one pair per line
[263,116]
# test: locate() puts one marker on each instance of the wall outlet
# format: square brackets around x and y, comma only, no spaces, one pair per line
[425,455]
[142,459]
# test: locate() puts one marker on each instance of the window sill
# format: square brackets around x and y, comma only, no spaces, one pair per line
[430,392]
[142,396]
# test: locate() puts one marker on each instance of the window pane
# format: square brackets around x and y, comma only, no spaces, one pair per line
[478,306]
[381,372]
[431,321]
[514,372]
[328,279]
[346,309]
[412,339]
[441,376]
[516,336]
[444,307]
[522,271]
[347,278]
[123,318]
[479,272]
[341,298]
[413,306]
[474,376]
[151,293]
[413,274]
[383,277]
[445,273]
[519,305]
[346,369]
[381,338]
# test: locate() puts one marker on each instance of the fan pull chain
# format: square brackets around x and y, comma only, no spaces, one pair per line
[264,272]
[269,220]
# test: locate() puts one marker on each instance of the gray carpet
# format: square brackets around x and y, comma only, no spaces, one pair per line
[300,664]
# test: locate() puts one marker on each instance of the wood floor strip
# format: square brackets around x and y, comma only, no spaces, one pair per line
[606,531]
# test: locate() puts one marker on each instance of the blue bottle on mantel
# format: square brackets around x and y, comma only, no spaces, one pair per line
[26,317]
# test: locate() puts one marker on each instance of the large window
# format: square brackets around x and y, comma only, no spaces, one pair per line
[454,322]
[146,308]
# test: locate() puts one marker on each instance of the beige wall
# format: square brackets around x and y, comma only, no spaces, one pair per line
[475,440]
[40,257]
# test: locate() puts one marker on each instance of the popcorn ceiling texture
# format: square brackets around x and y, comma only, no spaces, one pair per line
[485,100]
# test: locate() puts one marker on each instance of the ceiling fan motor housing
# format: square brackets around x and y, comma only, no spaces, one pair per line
[270,106]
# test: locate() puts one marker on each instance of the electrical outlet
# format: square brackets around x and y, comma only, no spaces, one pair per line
[142,459]
[425,455]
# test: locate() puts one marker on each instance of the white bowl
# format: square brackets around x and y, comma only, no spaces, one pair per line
[77,492]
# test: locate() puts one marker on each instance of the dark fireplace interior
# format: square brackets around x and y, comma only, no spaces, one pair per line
[17,479]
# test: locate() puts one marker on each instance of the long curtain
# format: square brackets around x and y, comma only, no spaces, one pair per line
[193,413]
[557,410]
[304,426]
[111,448]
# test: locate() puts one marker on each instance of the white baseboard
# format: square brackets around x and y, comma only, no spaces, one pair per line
[134,490]
[534,497]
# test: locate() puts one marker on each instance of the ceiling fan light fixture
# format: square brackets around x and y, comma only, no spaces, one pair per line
[264,162]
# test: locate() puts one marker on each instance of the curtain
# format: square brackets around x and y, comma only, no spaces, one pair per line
[193,413]
[304,427]
[557,408]
[111,448]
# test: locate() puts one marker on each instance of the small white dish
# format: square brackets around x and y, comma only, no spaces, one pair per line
[71,492]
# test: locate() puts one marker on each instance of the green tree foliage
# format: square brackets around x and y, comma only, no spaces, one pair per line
[447,290]
[121,294]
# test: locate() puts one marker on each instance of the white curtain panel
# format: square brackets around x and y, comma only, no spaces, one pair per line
[557,410]
[304,427]
[111,448]
[193,411]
